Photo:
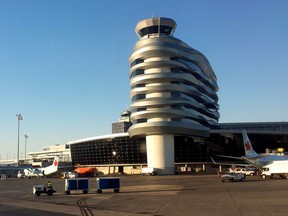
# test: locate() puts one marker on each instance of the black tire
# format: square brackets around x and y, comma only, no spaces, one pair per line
[67,192]
[37,193]
[116,190]
[99,191]
[85,191]
[49,192]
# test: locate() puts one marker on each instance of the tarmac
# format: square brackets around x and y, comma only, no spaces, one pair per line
[169,195]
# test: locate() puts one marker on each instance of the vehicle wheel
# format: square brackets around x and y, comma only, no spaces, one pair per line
[49,192]
[67,192]
[85,191]
[99,191]
[37,193]
[116,190]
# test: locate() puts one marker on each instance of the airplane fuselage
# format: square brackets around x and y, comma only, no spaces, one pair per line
[262,160]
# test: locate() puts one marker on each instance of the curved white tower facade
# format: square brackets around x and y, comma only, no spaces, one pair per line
[173,91]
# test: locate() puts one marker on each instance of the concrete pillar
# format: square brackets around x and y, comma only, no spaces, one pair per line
[160,153]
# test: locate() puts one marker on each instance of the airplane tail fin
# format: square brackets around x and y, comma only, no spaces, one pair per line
[249,151]
[52,168]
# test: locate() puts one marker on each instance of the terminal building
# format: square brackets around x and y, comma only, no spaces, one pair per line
[191,152]
[120,153]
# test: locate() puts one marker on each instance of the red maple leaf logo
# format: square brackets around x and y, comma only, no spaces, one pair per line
[55,163]
[247,146]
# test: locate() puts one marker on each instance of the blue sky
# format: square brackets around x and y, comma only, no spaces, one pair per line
[64,64]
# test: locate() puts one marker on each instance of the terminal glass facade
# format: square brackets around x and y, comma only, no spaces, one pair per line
[126,150]
[226,141]
[119,150]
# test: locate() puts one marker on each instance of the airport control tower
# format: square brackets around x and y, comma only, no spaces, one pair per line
[173,91]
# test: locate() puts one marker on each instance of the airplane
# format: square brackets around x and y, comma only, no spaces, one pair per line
[253,158]
[41,172]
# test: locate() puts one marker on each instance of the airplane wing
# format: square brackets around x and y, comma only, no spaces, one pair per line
[231,164]
[232,157]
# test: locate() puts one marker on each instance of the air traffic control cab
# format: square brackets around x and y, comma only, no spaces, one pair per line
[153,26]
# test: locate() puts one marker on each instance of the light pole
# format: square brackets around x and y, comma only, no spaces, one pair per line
[19,118]
[26,137]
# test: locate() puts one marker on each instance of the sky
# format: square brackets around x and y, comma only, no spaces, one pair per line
[64,64]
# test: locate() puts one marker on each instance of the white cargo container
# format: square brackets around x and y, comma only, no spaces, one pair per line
[275,169]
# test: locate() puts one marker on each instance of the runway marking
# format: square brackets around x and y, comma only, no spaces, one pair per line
[230,195]
[84,208]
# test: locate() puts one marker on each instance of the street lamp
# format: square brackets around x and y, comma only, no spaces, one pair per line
[26,137]
[19,118]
